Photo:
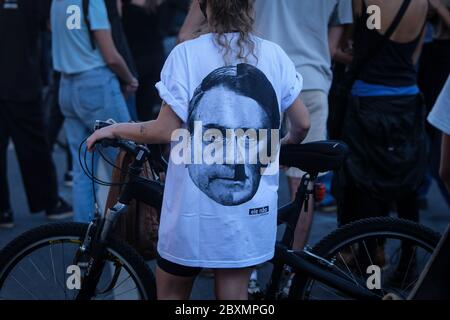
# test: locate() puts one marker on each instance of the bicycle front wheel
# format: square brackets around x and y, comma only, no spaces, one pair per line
[40,265]
[385,255]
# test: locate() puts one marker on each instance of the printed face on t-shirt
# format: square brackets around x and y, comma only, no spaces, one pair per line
[228,184]
[226,109]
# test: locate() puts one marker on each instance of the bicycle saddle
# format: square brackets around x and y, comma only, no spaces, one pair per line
[315,157]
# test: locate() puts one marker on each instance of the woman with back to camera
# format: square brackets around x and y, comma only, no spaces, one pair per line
[385,122]
[224,81]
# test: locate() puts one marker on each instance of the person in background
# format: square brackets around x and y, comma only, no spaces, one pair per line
[21,111]
[142,26]
[440,119]
[341,61]
[385,121]
[55,122]
[54,119]
[114,10]
[89,87]
[173,16]
[384,124]
[434,69]
[311,41]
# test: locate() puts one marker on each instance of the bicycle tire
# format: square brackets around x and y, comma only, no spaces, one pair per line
[358,230]
[11,254]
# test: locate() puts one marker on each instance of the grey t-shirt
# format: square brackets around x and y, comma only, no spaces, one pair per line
[300,27]
[440,115]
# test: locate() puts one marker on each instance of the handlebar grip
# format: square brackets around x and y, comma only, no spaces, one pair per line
[107,143]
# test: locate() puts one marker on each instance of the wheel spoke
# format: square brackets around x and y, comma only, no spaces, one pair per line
[52,269]
[37,269]
[351,276]
[409,285]
[122,282]
[53,264]
[64,272]
[24,288]
[356,259]
[380,249]
[117,286]
[367,252]
[409,266]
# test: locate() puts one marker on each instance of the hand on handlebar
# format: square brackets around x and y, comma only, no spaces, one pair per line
[101,134]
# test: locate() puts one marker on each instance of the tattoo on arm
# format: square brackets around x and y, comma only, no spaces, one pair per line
[143,130]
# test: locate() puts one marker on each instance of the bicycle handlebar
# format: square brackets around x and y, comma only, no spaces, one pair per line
[138,151]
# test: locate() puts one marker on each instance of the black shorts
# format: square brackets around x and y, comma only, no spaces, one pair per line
[177,269]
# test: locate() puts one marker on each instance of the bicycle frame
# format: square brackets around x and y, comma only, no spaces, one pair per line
[138,188]
[151,193]
[300,261]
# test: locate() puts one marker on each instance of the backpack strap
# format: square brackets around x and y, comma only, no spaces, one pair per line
[88,23]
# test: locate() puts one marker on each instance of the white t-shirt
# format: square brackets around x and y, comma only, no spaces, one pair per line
[440,115]
[223,214]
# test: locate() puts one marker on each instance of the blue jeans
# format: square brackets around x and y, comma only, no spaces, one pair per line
[84,98]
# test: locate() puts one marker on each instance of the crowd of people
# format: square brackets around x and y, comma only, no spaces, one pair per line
[326,71]
[39,93]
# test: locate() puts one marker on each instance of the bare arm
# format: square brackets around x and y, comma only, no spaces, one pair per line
[335,34]
[194,21]
[442,11]
[298,116]
[158,131]
[112,57]
[338,37]
[445,161]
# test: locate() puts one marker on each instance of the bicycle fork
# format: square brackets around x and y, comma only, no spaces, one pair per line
[94,246]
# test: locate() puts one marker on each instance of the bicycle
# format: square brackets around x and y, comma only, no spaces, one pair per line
[107,265]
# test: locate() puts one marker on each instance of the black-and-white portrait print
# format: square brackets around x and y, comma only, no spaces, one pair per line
[234,97]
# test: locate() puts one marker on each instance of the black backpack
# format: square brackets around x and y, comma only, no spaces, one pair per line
[116,30]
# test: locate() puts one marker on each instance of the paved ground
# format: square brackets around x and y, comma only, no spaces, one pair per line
[436,217]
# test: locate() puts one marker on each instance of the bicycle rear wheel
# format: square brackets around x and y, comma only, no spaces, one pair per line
[399,249]
[38,265]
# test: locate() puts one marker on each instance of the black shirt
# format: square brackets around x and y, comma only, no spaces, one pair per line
[392,65]
[21,23]
[145,38]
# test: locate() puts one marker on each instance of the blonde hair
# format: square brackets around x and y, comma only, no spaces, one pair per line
[233,16]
